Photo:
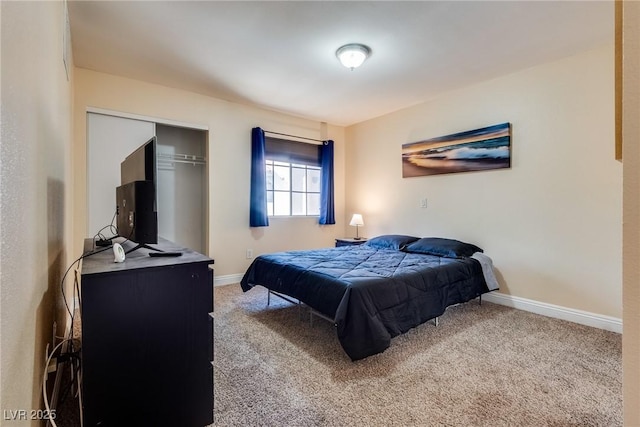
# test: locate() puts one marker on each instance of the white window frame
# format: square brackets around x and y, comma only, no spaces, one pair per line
[269,164]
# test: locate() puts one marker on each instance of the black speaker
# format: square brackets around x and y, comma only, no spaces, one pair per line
[135,206]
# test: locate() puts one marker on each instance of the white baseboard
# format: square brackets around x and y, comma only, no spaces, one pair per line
[227,279]
[600,321]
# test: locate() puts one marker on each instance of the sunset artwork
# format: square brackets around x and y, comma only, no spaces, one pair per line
[475,150]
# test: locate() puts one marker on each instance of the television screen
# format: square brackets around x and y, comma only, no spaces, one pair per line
[136,196]
[141,165]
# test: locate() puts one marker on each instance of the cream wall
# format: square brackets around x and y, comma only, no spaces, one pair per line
[552,222]
[34,197]
[229,157]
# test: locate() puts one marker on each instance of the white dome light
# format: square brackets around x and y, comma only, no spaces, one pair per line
[353,55]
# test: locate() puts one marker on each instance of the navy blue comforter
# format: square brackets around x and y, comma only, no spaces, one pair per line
[372,294]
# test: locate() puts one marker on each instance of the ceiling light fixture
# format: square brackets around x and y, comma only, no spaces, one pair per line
[353,55]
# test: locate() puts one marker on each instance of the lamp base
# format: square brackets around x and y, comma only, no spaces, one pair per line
[357,238]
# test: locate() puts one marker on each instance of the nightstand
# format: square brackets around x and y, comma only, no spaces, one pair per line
[350,241]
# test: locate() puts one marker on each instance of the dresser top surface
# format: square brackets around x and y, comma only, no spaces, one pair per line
[101,259]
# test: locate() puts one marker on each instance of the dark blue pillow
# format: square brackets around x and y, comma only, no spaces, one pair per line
[391,241]
[438,246]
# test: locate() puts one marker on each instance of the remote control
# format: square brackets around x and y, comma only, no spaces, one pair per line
[161,254]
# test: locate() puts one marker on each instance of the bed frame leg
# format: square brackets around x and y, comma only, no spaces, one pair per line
[435,320]
[296,302]
[480,299]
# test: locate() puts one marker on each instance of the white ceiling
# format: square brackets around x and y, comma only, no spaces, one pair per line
[281,55]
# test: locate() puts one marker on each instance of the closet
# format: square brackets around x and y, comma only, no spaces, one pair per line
[182,196]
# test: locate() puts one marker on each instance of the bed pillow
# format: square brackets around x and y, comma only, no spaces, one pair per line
[438,246]
[391,241]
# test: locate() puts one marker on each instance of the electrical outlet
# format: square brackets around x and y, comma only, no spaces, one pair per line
[249,253]
[423,203]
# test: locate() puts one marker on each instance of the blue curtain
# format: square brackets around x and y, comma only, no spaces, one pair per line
[327,211]
[258,216]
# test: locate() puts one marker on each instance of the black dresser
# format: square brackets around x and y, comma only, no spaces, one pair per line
[147,338]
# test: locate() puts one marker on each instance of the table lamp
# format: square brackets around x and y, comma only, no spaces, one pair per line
[356,221]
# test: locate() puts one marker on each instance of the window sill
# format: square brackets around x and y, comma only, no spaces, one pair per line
[277,217]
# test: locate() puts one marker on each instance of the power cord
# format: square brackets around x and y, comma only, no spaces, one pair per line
[98,237]
[48,358]
[77,261]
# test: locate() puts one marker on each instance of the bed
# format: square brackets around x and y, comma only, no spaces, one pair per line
[378,290]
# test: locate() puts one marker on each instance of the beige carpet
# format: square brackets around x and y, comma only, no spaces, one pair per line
[484,365]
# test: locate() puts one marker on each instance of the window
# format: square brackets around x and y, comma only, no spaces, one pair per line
[292,189]
[300,179]
[293,178]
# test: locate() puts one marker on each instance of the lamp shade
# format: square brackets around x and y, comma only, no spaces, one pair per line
[356,220]
[353,55]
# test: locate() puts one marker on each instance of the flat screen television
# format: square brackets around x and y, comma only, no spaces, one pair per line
[136,205]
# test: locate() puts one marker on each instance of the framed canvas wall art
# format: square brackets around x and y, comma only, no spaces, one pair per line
[475,150]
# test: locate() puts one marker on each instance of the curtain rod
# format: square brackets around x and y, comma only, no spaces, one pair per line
[293,136]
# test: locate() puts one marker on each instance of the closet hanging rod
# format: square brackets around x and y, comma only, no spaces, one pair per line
[294,136]
[175,156]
